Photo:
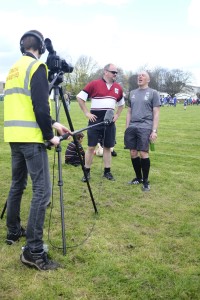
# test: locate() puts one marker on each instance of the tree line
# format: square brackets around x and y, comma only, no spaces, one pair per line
[163,80]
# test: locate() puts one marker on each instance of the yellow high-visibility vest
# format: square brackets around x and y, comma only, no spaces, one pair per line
[19,118]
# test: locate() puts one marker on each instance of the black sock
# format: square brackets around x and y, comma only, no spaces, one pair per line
[136,162]
[87,170]
[145,163]
[106,170]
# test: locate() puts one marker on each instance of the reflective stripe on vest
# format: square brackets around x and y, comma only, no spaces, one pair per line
[21,124]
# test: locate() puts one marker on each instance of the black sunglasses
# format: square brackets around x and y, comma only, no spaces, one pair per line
[113,72]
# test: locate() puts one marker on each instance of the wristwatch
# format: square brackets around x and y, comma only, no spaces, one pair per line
[154,130]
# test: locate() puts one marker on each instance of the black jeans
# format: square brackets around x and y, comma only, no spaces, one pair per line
[32,159]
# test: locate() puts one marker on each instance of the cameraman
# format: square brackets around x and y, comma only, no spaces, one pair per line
[28,122]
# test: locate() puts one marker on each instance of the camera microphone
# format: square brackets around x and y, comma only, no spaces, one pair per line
[49,45]
[109,115]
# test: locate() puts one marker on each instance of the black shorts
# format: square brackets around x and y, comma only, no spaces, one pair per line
[137,138]
[104,133]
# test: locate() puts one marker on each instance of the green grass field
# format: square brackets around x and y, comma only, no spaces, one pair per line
[140,245]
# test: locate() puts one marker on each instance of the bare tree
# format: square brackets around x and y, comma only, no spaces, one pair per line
[163,80]
[176,81]
[132,82]
[157,77]
[81,75]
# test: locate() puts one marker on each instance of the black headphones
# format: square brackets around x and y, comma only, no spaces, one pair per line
[42,46]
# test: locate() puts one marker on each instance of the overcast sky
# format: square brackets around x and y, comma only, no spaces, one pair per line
[128,33]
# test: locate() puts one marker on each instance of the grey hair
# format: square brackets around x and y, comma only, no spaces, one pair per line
[107,67]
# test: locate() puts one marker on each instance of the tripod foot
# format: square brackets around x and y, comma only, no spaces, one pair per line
[84,179]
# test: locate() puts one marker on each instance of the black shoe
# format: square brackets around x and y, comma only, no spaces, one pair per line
[38,260]
[113,153]
[108,176]
[136,181]
[14,237]
[84,178]
[146,186]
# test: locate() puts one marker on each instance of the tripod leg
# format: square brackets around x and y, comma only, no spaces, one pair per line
[4,209]
[60,181]
[77,148]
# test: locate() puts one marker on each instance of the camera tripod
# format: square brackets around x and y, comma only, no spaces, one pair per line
[58,91]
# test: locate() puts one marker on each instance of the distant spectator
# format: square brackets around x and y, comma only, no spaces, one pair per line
[194,101]
[189,101]
[171,101]
[165,101]
[175,101]
[185,104]
[162,100]
[168,99]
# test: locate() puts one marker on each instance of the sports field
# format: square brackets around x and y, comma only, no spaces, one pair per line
[139,245]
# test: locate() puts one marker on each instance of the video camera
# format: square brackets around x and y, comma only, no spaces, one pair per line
[54,63]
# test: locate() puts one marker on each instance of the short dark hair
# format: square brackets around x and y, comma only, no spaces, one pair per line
[79,136]
[32,39]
